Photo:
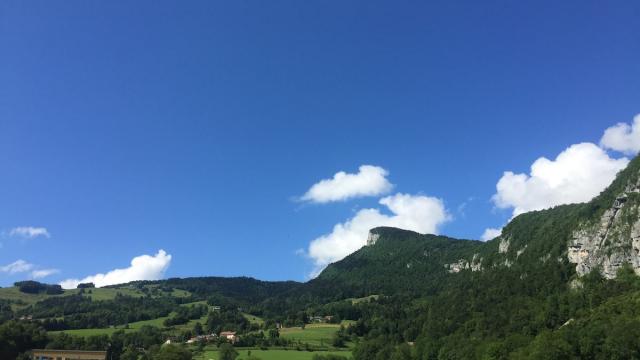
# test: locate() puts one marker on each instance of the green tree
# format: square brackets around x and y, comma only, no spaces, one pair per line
[550,346]
[200,347]
[338,340]
[17,337]
[197,329]
[227,352]
[130,353]
[402,352]
[622,341]
[173,352]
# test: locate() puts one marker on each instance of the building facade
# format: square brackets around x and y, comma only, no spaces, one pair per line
[40,354]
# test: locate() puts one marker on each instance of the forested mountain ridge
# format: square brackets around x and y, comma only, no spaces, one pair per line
[399,260]
[559,283]
[602,235]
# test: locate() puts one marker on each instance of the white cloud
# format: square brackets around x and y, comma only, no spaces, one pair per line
[15,267]
[369,181]
[144,267]
[490,233]
[21,266]
[419,213]
[29,232]
[39,274]
[577,174]
[623,137]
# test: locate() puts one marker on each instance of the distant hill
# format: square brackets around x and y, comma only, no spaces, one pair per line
[400,260]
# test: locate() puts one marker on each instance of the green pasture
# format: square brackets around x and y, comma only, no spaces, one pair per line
[313,334]
[134,326]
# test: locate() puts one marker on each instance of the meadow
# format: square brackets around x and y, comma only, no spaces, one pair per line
[313,334]
[21,300]
[134,326]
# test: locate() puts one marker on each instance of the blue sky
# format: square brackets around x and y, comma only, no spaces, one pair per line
[197,127]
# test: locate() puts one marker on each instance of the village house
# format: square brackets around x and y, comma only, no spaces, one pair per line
[210,337]
[40,354]
[202,338]
[321,319]
[229,335]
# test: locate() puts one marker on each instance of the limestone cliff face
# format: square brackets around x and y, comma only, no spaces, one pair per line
[474,265]
[372,238]
[612,240]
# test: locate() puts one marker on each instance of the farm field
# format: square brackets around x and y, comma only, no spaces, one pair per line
[273,354]
[13,294]
[134,326]
[105,293]
[314,334]
[24,299]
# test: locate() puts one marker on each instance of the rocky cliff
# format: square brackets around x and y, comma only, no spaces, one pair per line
[612,240]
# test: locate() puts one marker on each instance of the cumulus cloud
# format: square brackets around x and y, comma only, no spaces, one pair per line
[490,233]
[577,174]
[39,274]
[29,232]
[15,267]
[144,267]
[369,181]
[623,137]
[419,213]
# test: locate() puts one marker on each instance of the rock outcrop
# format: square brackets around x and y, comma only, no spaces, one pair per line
[612,241]
[372,238]
[503,247]
[474,265]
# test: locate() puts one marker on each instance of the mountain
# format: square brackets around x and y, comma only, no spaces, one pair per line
[400,260]
[601,235]
[559,283]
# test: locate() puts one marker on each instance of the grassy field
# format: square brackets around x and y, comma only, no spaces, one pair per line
[134,326]
[105,293]
[314,334]
[13,294]
[253,319]
[273,354]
